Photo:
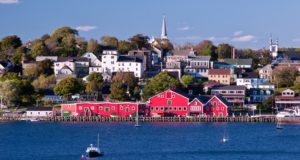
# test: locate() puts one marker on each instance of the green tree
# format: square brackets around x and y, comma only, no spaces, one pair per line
[124,47]
[63,32]
[118,92]
[68,87]
[10,43]
[10,91]
[44,67]
[10,76]
[187,80]
[297,83]
[44,82]
[139,41]
[159,83]
[285,76]
[207,48]
[38,48]
[127,83]
[224,51]
[109,41]
[95,82]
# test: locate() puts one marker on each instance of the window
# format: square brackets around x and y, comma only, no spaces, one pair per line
[100,108]
[179,108]
[38,113]
[161,108]
[174,108]
[127,109]
[156,108]
[107,109]
[112,57]
[195,103]
[169,102]
[132,108]
[151,108]
[113,108]
[184,108]
[92,108]
[121,107]
[214,104]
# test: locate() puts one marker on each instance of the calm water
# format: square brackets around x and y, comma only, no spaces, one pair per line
[153,141]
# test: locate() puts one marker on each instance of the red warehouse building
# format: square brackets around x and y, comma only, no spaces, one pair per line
[170,102]
[104,109]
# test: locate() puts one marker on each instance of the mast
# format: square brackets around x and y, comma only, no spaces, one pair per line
[98,141]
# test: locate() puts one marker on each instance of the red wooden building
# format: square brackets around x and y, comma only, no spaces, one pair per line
[170,102]
[104,109]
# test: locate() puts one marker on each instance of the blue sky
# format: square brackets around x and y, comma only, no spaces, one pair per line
[244,24]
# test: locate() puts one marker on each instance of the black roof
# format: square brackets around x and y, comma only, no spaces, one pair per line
[123,58]
[232,87]
[40,109]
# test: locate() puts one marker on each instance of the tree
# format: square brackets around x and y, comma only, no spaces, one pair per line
[109,41]
[207,48]
[95,82]
[118,92]
[139,41]
[10,43]
[44,82]
[38,48]
[68,87]
[124,47]
[224,51]
[166,45]
[94,47]
[30,71]
[63,32]
[10,91]
[159,83]
[126,82]
[44,67]
[285,76]
[297,83]
[187,80]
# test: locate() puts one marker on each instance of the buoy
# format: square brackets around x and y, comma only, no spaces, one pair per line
[82,156]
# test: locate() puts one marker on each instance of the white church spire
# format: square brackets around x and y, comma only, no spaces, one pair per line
[164,29]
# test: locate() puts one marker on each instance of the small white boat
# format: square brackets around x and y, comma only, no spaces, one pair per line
[289,115]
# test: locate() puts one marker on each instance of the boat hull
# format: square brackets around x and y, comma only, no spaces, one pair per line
[94,154]
[289,119]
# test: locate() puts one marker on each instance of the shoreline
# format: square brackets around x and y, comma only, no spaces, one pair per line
[243,119]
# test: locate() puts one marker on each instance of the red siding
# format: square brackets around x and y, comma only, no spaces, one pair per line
[215,107]
[168,102]
[195,107]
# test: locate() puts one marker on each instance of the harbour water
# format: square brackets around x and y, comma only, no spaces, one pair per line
[152,141]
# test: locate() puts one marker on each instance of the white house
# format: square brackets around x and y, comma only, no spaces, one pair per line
[95,63]
[40,112]
[113,62]
[250,80]
[71,66]
[198,66]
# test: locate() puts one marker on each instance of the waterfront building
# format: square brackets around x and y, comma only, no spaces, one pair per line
[174,103]
[36,112]
[103,109]
[287,99]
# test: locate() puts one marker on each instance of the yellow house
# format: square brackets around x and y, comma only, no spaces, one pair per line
[222,76]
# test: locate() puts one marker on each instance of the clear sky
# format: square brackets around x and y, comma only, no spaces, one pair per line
[242,23]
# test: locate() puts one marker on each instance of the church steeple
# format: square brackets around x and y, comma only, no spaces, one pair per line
[164,29]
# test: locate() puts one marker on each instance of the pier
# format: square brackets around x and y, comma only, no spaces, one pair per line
[242,119]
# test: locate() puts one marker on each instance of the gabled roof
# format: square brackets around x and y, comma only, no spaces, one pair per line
[247,61]
[72,59]
[223,100]
[66,67]
[202,99]
[185,52]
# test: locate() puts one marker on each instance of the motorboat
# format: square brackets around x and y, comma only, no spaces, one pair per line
[93,151]
[289,115]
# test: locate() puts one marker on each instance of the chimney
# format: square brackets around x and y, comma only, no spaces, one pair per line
[233,53]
